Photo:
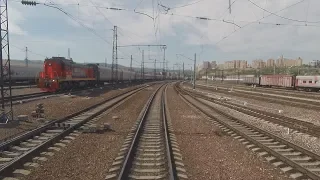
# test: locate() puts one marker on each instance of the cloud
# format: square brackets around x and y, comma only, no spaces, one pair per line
[179,29]
[15,17]
[255,36]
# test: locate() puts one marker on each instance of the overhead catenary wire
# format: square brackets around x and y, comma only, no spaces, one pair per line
[307,13]
[258,21]
[181,6]
[79,22]
[104,16]
[283,17]
[29,51]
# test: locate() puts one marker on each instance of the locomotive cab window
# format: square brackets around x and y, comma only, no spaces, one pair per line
[304,81]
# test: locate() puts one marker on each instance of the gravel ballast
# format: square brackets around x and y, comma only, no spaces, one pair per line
[57,107]
[208,154]
[304,140]
[273,90]
[90,156]
[286,110]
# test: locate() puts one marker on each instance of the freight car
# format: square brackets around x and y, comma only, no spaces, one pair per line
[286,81]
[307,83]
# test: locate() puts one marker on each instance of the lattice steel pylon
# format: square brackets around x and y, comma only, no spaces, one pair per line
[6,112]
[114,67]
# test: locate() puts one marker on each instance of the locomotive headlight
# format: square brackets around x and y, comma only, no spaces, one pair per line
[53,80]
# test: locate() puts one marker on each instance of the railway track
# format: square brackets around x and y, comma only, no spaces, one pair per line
[287,92]
[292,123]
[27,96]
[150,150]
[22,87]
[23,151]
[293,159]
[37,95]
[302,103]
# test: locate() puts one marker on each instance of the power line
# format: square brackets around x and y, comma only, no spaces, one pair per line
[167,8]
[79,22]
[101,12]
[141,12]
[257,21]
[22,49]
[290,19]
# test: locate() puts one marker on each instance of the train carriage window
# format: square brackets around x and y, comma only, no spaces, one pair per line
[310,81]
[304,81]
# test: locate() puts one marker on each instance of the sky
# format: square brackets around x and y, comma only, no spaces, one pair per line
[255,29]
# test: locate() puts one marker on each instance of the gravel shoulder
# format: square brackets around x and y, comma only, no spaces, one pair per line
[289,111]
[207,155]
[90,156]
[57,107]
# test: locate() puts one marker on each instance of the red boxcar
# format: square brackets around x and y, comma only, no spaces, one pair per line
[277,80]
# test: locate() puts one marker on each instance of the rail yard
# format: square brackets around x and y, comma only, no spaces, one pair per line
[159,90]
[163,130]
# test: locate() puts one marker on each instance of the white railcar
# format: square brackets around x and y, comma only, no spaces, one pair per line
[20,72]
[310,83]
[105,73]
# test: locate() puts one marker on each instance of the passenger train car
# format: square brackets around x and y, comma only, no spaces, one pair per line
[22,73]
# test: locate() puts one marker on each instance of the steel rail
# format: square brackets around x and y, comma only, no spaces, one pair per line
[127,164]
[8,167]
[170,156]
[292,123]
[274,138]
[34,132]
[280,100]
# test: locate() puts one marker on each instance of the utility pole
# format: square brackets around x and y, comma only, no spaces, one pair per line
[183,70]
[164,61]
[215,74]
[105,62]
[114,67]
[206,77]
[238,76]
[26,59]
[5,68]
[222,76]
[191,75]
[131,63]
[179,72]
[142,66]
[155,69]
[69,53]
[194,71]
[172,71]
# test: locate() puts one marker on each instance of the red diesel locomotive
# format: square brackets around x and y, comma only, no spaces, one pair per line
[60,73]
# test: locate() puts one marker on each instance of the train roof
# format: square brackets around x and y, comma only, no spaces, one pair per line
[307,77]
